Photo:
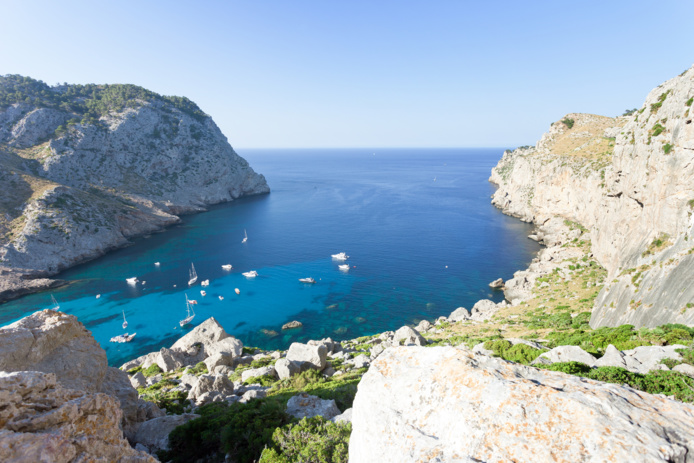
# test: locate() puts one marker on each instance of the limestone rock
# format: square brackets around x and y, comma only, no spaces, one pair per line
[345,417]
[154,434]
[138,380]
[42,421]
[54,342]
[304,405]
[257,372]
[423,326]
[646,358]
[330,345]
[207,339]
[498,283]
[210,386]
[685,369]
[220,359]
[460,314]
[446,404]
[569,354]
[612,357]
[292,324]
[408,336]
[360,361]
[170,360]
[314,356]
[286,368]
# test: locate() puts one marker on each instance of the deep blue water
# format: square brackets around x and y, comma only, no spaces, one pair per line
[422,237]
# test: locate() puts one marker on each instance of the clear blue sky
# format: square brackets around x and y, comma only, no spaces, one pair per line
[373,73]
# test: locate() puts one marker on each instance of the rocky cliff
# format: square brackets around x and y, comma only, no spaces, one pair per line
[630,182]
[84,169]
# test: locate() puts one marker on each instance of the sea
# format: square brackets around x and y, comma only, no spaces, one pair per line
[417,224]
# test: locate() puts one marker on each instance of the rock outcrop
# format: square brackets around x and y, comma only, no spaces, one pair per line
[86,168]
[628,180]
[448,404]
[42,421]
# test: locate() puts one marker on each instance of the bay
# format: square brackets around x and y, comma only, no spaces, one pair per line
[418,225]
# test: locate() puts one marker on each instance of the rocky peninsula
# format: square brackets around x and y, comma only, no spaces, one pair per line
[87,168]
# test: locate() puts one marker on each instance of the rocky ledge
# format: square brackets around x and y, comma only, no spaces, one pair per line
[85,169]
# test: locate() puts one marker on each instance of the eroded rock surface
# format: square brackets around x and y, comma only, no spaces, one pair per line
[448,404]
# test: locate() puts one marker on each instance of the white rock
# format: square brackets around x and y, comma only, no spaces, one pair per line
[304,405]
[685,369]
[315,356]
[258,372]
[569,354]
[155,433]
[286,368]
[408,336]
[345,417]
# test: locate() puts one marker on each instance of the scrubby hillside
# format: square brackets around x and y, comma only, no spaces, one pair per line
[86,167]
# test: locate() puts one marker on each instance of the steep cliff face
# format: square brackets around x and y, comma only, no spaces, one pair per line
[630,181]
[85,168]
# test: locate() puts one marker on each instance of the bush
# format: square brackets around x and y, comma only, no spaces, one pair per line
[667,147]
[242,430]
[310,440]
[522,353]
[568,122]
[571,368]
[152,370]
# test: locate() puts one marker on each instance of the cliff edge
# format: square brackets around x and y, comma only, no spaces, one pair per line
[85,168]
[630,182]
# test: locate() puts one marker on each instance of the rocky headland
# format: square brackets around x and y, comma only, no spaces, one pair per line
[87,168]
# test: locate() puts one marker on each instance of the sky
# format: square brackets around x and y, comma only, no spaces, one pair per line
[372,73]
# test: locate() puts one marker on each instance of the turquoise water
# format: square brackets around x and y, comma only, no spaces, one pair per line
[422,237]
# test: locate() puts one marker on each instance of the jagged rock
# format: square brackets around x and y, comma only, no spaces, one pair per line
[154,379]
[40,420]
[148,410]
[313,356]
[155,433]
[345,417]
[206,340]
[408,336]
[286,368]
[216,360]
[292,324]
[360,361]
[138,380]
[252,394]
[223,370]
[484,309]
[117,384]
[170,360]
[189,380]
[257,372]
[612,357]
[330,345]
[210,386]
[498,283]
[569,354]
[646,358]
[439,408]
[304,405]
[54,342]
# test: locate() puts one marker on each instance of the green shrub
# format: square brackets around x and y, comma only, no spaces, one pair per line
[152,370]
[571,368]
[689,101]
[242,430]
[522,353]
[199,369]
[569,123]
[667,147]
[687,355]
[656,106]
[581,320]
[657,129]
[313,440]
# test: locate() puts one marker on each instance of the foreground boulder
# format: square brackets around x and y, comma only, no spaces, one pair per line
[308,356]
[41,421]
[447,404]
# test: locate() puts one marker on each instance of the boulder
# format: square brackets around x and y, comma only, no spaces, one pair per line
[345,417]
[569,354]
[206,384]
[117,384]
[42,421]
[459,315]
[685,369]
[484,309]
[252,394]
[292,324]
[218,359]
[423,326]
[498,283]
[312,356]
[612,357]
[408,336]
[643,359]
[54,342]
[257,372]
[148,410]
[304,405]
[331,346]
[223,370]
[154,434]
[188,380]
[286,368]
[448,404]
[170,360]
[360,361]
[207,339]
[138,380]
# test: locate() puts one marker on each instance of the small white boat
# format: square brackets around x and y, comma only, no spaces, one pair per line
[251,274]
[245,236]
[193,275]
[226,266]
[193,302]
[307,280]
[98,296]
[56,306]
[123,337]
[157,264]
[344,268]
[205,283]
[340,256]
[221,298]
[125,322]
[237,290]
[131,281]
[189,317]
[203,293]
[143,283]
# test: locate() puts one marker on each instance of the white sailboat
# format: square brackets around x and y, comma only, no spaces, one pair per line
[344,268]
[132,281]
[193,276]
[226,266]
[123,337]
[56,306]
[125,322]
[251,274]
[245,236]
[189,317]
